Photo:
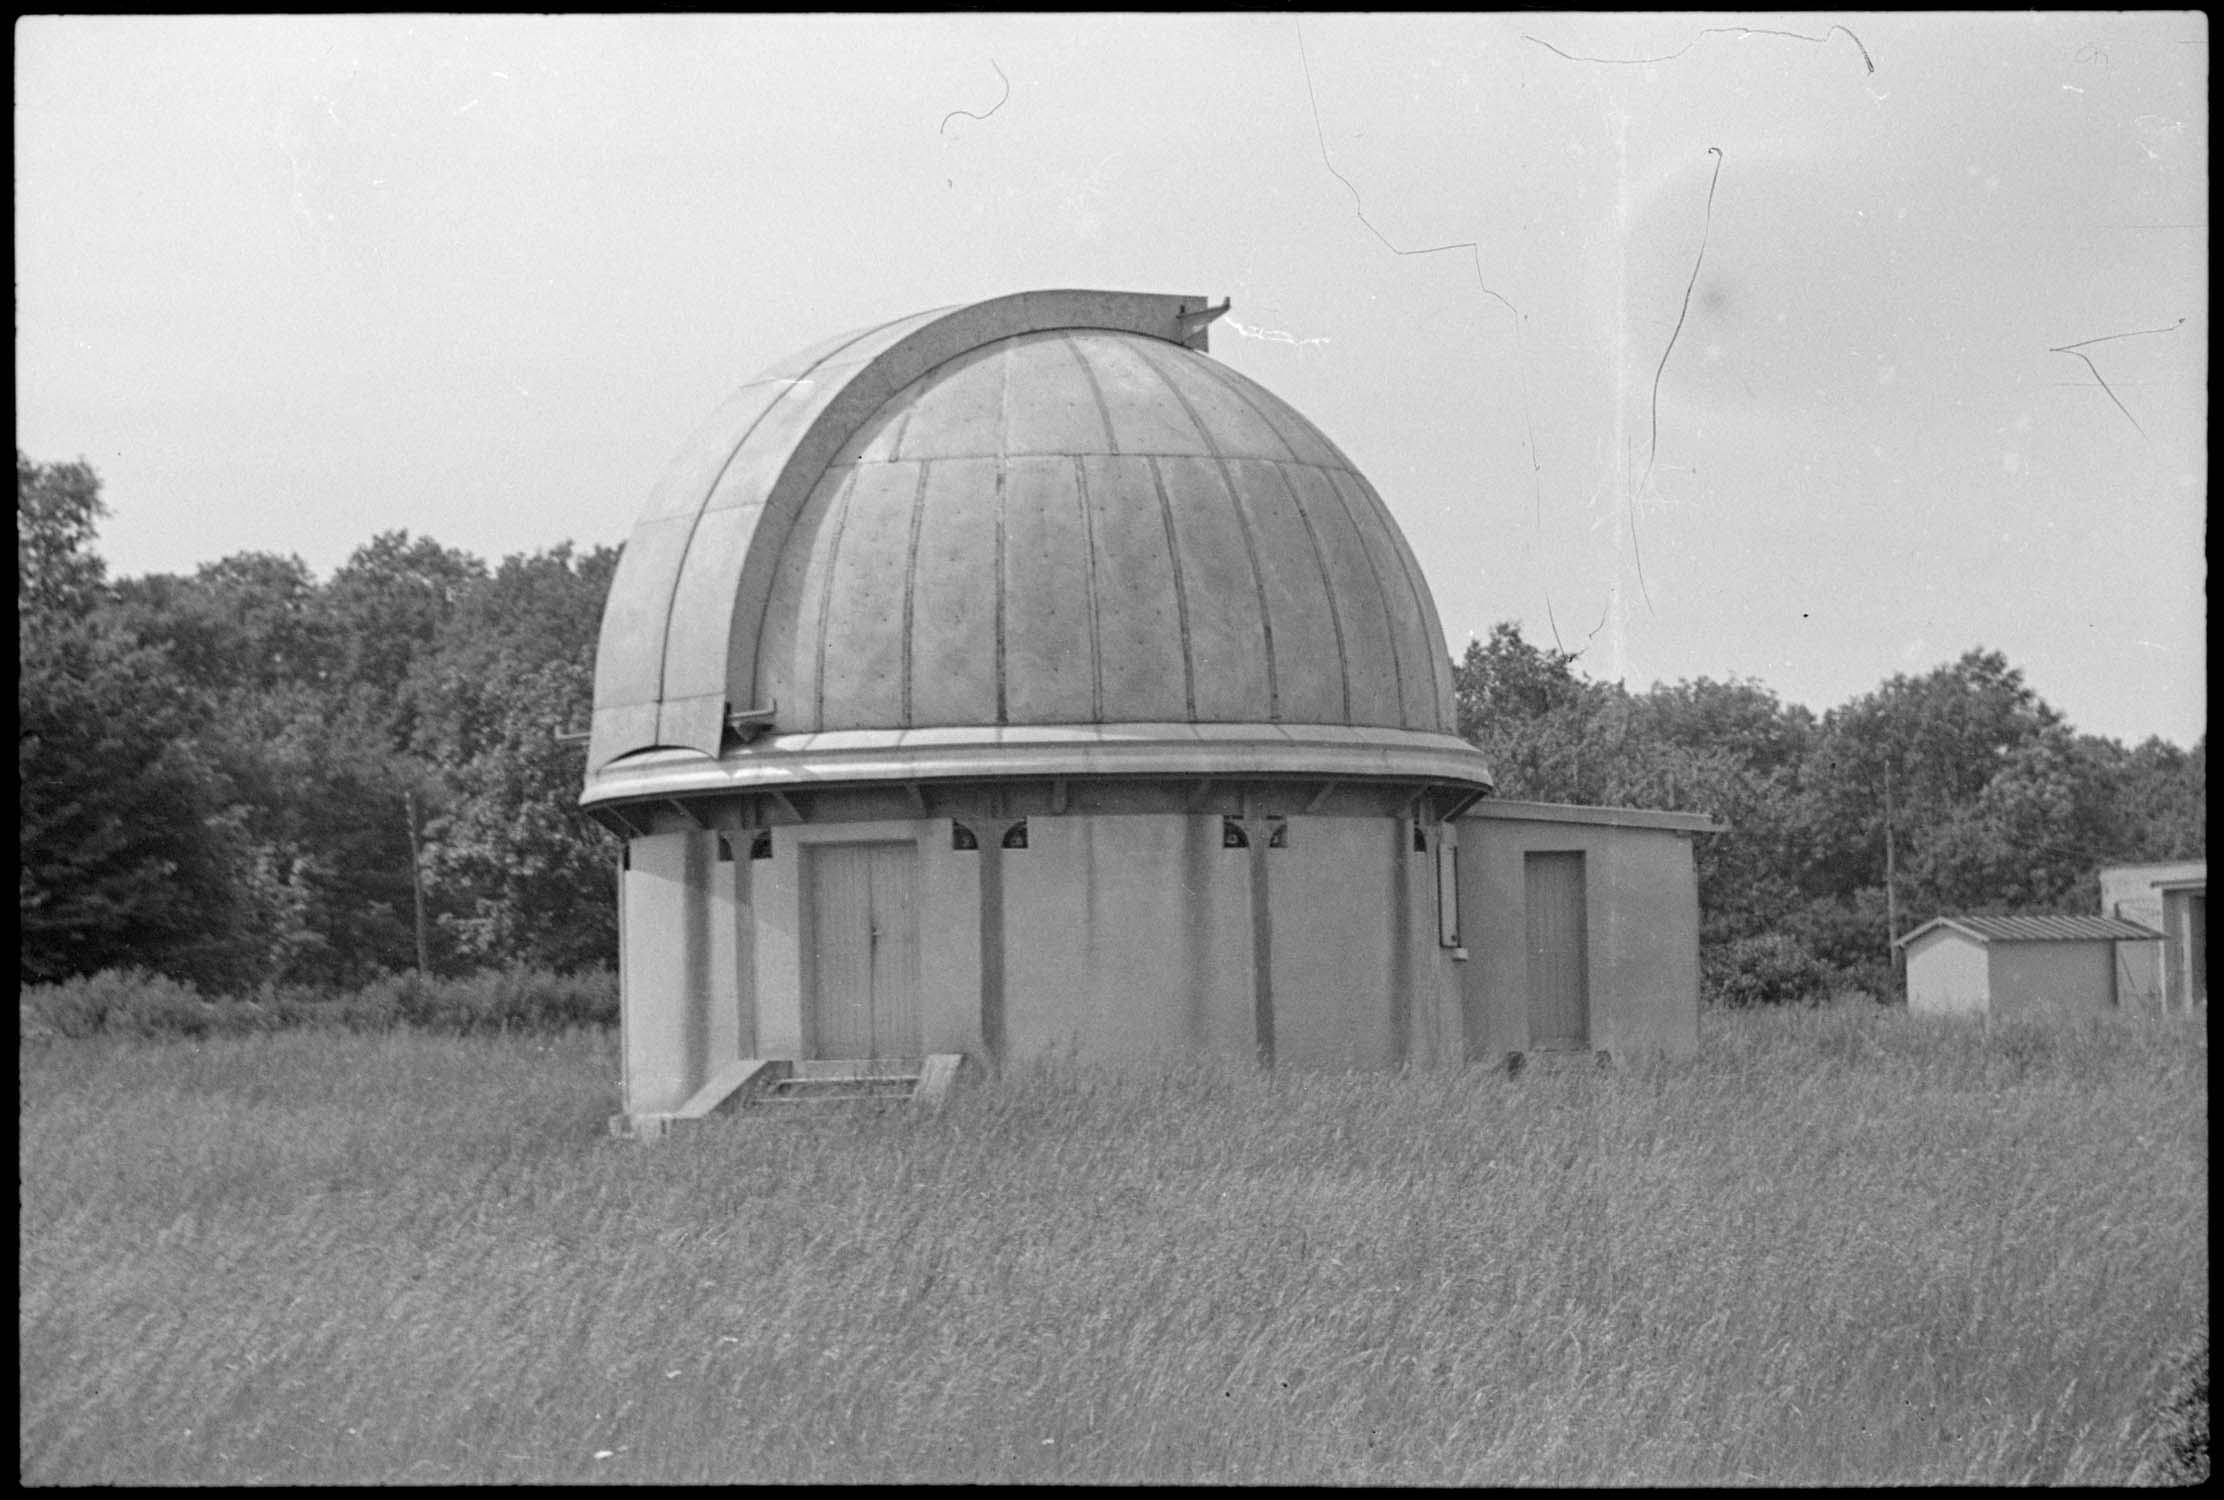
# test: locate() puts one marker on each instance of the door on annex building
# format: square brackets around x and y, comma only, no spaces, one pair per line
[2196,924]
[862,996]
[1559,981]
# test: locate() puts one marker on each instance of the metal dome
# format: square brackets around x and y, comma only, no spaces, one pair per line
[1044,534]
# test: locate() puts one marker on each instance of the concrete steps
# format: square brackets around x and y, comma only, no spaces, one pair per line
[1557,1060]
[781,1084]
[838,1082]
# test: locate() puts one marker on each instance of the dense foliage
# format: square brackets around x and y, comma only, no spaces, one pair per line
[232,777]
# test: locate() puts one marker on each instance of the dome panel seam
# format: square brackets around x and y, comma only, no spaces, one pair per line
[1181,598]
[1104,412]
[1328,583]
[1227,381]
[1243,524]
[1003,704]
[1003,427]
[1242,391]
[911,583]
[1089,591]
[1409,565]
[826,599]
[1389,624]
[1258,587]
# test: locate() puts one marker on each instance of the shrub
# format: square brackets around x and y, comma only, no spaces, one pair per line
[287,1006]
[1847,935]
[119,1002]
[133,1002]
[519,999]
[491,1000]
[1771,970]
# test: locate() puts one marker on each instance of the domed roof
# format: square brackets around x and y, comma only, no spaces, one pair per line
[1047,520]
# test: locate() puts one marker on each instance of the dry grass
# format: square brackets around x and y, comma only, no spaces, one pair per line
[1841,1247]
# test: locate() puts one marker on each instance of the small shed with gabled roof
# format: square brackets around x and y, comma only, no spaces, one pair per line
[2018,965]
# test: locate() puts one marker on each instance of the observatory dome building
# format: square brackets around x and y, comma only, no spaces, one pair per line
[1015,679]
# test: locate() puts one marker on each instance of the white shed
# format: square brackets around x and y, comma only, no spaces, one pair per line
[2019,965]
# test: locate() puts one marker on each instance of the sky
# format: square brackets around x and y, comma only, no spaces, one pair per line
[1687,342]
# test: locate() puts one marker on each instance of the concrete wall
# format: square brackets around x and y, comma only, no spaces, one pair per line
[1130,937]
[1642,899]
[1947,974]
[2185,921]
[2055,978]
[1108,938]
[2134,892]
[685,940]
[1334,944]
[1436,1035]
[1124,938]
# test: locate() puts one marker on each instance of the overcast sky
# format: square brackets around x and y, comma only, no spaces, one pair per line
[288,283]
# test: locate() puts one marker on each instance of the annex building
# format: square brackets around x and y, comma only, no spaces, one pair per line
[2171,973]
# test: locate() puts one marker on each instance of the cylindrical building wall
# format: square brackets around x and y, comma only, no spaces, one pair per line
[1309,942]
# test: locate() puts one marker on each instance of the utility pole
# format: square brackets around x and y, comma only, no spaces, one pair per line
[1891,882]
[417,880]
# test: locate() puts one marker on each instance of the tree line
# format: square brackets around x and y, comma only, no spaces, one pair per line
[247,775]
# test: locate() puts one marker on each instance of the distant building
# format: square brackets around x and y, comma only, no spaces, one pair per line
[2015,966]
[2172,972]
[1015,680]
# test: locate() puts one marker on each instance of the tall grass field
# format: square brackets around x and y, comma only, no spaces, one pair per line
[1842,1246]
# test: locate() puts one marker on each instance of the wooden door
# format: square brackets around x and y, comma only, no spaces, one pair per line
[863,991]
[2197,949]
[1559,991]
